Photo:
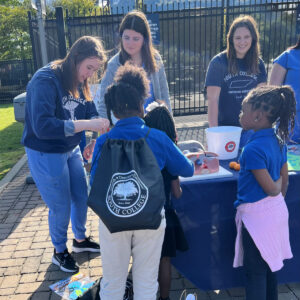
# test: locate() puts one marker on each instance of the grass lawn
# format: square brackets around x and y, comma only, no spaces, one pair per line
[11,149]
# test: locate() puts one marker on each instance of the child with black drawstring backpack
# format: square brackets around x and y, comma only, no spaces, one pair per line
[124,191]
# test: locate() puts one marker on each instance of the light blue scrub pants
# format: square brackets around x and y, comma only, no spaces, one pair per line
[61,181]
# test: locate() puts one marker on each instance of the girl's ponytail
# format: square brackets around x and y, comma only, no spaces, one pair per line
[109,99]
[287,112]
[126,96]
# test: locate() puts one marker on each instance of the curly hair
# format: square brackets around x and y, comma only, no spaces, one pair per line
[128,92]
[160,118]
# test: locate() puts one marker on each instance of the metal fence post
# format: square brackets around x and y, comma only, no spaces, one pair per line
[25,70]
[32,41]
[227,17]
[60,26]
[42,34]
[222,26]
[68,28]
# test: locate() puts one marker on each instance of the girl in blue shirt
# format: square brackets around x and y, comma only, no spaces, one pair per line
[262,216]
[125,98]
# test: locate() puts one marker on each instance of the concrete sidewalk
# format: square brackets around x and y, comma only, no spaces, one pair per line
[26,250]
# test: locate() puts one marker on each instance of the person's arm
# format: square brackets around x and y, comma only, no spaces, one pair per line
[176,162]
[41,110]
[91,113]
[262,77]
[89,150]
[96,125]
[99,125]
[269,186]
[277,74]
[261,84]
[213,94]
[164,88]
[285,179]
[176,190]
[96,155]
[213,83]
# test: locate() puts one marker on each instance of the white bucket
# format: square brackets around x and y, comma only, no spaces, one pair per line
[223,140]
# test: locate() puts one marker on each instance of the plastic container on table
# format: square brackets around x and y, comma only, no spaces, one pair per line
[224,141]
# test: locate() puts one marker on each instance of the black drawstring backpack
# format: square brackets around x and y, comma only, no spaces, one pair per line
[127,191]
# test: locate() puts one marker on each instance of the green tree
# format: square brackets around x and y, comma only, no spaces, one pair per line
[14,31]
[79,7]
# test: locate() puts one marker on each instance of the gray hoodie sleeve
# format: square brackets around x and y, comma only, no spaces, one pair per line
[160,83]
[164,86]
[106,81]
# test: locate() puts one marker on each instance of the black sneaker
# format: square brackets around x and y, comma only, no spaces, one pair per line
[65,261]
[87,245]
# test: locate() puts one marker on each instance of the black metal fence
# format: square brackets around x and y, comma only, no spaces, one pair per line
[14,75]
[190,34]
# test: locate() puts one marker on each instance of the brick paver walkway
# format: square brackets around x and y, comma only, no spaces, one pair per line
[26,250]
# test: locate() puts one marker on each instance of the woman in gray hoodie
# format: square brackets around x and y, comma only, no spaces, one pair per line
[136,46]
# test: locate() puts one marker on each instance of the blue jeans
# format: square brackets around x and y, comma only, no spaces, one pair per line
[261,282]
[61,181]
[83,144]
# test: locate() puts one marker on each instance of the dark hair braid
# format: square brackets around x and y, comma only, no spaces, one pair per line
[129,90]
[108,99]
[287,112]
[160,118]
[280,105]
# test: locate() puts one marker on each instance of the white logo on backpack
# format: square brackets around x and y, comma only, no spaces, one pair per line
[127,195]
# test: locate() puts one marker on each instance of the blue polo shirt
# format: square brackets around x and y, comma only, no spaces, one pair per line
[263,151]
[290,60]
[165,151]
